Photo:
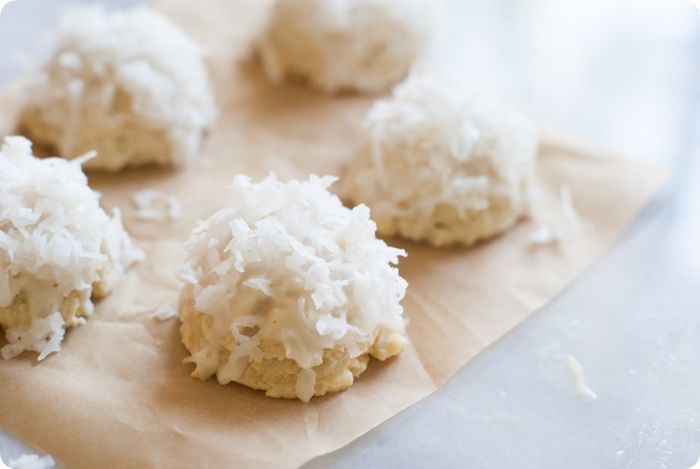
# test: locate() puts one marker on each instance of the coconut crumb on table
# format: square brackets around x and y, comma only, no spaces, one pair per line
[576,371]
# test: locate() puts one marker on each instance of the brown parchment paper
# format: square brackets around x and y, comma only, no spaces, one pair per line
[117,395]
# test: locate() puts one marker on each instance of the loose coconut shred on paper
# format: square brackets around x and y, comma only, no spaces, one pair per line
[568,225]
[153,205]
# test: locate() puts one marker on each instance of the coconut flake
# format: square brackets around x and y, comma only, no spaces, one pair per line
[544,235]
[577,374]
[164,312]
[306,382]
[55,325]
[567,205]
[43,336]
[570,222]
[259,283]
[153,205]
[81,160]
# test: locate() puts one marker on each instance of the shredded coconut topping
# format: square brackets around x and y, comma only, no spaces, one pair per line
[55,241]
[289,264]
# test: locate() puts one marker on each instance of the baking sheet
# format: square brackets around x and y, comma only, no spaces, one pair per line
[118,394]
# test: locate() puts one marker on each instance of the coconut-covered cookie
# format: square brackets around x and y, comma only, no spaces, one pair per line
[130,85]
[288,291]
[58,249]
[357,45]
[441,164]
